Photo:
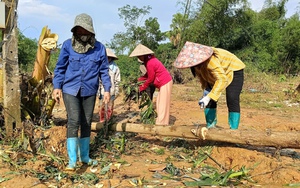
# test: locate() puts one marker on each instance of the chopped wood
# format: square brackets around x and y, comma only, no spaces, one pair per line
[243,137]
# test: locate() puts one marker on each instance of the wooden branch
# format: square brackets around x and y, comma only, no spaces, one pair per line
[244,137]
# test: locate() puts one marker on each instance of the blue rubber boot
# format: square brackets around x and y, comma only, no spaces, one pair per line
[234,120]
[210,117]
[84,144]
[72,147]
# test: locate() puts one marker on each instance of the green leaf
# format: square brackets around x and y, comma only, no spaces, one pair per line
[105,169]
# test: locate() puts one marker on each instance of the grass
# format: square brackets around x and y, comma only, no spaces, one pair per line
[260,91]
[276,93]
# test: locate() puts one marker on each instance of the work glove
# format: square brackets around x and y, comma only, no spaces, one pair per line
[203,102]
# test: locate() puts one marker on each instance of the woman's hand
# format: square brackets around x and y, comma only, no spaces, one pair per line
[56,95]
[204,101]
[106,97]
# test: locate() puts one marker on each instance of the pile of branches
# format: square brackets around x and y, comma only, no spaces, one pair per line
[132,94]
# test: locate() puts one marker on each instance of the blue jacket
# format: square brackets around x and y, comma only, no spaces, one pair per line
[74,71]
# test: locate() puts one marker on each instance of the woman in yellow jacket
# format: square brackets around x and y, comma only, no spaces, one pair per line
[218,70]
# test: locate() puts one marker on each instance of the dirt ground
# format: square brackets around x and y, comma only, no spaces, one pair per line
[268,167]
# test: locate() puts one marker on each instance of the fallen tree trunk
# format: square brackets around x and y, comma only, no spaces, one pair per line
[244,137]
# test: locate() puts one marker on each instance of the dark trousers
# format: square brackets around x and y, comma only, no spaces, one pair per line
[233,92]
[150,91]
[80,113]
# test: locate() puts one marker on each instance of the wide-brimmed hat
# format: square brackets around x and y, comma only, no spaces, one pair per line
[140,50]
[192,54]
[109,53]
[85,21]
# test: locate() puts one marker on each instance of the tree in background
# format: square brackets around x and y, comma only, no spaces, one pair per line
[220,23]
[152,35]
[289,51]
[26,53]
[181,22]
[178,25]
[136,32]
[123,41]
[264,39]
[129,68]
[273,45]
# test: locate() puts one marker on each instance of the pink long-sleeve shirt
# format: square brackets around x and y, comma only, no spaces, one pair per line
[156,74]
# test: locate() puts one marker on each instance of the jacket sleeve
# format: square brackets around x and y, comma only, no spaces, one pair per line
[104,74]
[150,75]
[61,67]
[117,80]
[221,79]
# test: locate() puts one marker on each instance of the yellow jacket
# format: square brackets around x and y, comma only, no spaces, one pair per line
[218,71]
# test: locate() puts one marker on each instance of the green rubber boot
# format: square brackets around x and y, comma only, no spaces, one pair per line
[72,147]
[234,120]
[210,117]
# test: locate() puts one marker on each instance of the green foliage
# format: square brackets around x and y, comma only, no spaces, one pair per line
[172,170]
[148,113]
[53,59]
[159,151]
[289,49]
[129,68]
[152,35]
[212,177]
[147,33]
[213,21]
[123,42]
[201,154]
[167,53]
[131,91]
[282,78]
[265,39]
[27,49]
[179,22]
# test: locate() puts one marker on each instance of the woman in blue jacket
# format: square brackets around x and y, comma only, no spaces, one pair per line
[82,61]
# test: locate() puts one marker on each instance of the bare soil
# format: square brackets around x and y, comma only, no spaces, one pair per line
[268,167]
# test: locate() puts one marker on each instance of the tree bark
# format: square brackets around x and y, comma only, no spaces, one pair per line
[244,137]
[11,83]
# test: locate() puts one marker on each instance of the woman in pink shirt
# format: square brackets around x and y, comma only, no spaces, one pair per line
[161,79]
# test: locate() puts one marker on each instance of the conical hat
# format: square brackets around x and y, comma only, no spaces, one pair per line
[140,50]
[192,54]
[109,53]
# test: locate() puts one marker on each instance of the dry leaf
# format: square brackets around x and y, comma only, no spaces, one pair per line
[157,168]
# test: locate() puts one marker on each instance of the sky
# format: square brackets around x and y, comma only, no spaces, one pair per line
[59,15]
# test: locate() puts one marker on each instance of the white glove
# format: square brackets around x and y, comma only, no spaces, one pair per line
[204,101]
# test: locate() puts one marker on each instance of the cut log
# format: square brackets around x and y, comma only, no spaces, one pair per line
[41,82]
[40,71]
[243,137]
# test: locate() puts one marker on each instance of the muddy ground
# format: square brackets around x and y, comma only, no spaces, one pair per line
[146,157]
